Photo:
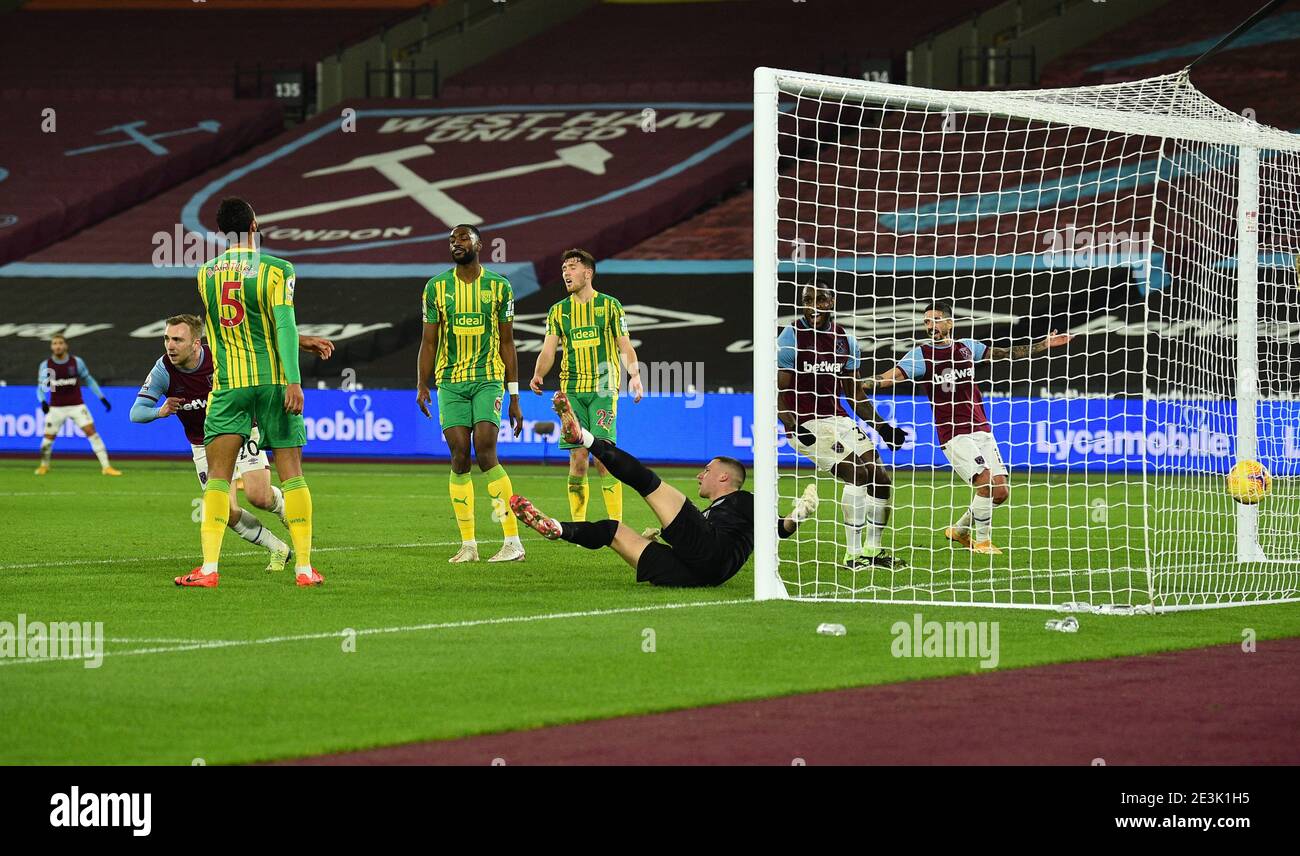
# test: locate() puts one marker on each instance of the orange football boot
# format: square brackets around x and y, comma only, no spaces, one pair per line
[303,580]
[197,579]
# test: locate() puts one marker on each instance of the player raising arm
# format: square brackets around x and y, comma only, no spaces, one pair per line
[592,330]
[959,419]
[468,349]
[61,375]
[182,381]
[817,362]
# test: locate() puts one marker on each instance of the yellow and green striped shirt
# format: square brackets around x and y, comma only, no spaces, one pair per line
[589,334]
[470,314]
[240,290]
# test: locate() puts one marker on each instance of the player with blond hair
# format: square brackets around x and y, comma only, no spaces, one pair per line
[181,380]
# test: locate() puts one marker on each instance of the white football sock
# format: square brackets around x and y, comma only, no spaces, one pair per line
[963,522]
[277,504]
[97,443]
[248,527]
[587,438]
[981,513]
[270,541]
[513,541]
[853,507]
[245,525]
[877,519]
[47,447]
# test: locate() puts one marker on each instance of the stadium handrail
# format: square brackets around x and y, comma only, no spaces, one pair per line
[343,74]
[1049,28]
[397,20]
[466,22]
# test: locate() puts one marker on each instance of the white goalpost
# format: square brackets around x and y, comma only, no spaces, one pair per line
[1158,227]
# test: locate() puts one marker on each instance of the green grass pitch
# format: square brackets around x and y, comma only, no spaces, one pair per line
[440,650]
[1079,537]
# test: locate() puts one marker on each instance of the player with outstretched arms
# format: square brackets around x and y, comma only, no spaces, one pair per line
[182,381]
[252,331]
[817,362]
[61,376]
[591,329]
[947,366]
[468,350]
[703,547]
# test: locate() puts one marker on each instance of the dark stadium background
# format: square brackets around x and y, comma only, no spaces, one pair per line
[231,81]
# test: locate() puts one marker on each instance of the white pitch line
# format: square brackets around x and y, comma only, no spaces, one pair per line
[190,556]
[160,641]
[39,493]
[372,631]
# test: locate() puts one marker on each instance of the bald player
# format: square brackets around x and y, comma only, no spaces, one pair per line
[467,351]
[817,364]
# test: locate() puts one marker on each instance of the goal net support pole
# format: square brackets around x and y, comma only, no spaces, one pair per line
[767,581]
[1248,549]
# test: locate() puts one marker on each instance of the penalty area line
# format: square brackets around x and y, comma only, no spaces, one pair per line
[375,631]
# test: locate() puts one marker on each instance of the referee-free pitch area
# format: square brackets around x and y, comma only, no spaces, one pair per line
[399,646]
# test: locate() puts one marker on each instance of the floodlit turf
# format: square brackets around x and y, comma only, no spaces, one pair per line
[439,650]
[1066,538]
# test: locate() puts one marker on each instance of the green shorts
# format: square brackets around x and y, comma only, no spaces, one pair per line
[233,411]
[597,413]
[469,402]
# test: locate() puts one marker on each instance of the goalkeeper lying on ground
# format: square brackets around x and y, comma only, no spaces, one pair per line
[704,548]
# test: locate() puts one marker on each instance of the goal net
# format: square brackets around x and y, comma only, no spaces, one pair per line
[1155,226]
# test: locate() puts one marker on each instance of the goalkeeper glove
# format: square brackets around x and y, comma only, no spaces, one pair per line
[107,405]
[45,407]
[806,505]
[805,436]
[893,436]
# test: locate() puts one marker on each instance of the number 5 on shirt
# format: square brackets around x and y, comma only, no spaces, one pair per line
[230,296]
